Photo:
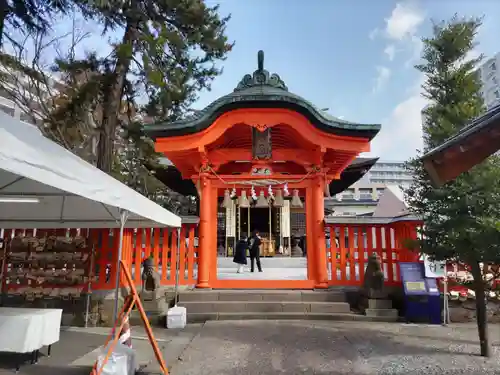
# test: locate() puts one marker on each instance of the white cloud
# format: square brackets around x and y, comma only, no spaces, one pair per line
[401,30]
[401,133]
[416,51]
[383,75]
[404,21]
[373,34]
[390,51]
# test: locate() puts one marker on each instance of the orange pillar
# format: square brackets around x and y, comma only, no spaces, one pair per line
[310,243]
[318,213]
[205,233]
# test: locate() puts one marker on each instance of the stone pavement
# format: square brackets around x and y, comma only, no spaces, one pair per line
[267,347]
[279,347]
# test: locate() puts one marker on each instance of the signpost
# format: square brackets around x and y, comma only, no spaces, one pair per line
[422,297]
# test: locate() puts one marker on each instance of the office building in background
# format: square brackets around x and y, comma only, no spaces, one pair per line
[489,72]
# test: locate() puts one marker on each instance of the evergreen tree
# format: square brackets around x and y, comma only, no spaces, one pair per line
[168,49]
[28,16]
[461,218]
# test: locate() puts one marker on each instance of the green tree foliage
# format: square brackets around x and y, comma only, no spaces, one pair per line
[165,53]
[460,219]
[167,50]
[28,16]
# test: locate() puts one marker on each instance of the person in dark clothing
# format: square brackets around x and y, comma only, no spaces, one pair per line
[255,242]
[240,253]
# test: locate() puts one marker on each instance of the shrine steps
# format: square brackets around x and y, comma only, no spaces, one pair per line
[204,305]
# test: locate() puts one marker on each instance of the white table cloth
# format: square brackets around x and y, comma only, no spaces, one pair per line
[26,330]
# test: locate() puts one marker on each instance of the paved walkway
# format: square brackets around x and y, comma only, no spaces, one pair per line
[270,347]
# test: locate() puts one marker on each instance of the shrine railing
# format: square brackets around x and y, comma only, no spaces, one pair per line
[138,244]
[350,244]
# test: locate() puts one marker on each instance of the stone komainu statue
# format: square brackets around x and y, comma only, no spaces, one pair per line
[374,277]
[150,278]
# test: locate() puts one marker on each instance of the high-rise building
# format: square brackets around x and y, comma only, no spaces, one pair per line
[16,83]
[389,173]
[489,73]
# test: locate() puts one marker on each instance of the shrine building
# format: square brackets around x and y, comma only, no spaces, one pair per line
[262,158]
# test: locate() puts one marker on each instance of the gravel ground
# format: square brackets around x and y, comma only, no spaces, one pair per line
[72,345]
[286,347]
[267,347]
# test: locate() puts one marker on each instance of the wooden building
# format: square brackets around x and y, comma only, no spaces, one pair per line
[469,147]
[245,151]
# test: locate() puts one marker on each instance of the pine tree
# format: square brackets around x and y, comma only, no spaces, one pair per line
[461,218]
[28,16]
[169,47]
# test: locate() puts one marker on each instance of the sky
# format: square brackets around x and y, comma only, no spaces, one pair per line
[354,57]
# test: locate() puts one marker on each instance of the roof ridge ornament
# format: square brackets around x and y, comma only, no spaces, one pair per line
[261,77]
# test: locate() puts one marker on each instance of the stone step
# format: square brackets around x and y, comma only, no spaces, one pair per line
[198,307]
[262,295]
[203,317]
[386,313]
[155,318]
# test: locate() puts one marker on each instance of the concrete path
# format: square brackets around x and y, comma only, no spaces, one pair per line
[265,347]
[284,347]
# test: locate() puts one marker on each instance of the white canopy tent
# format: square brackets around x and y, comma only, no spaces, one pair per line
[43,185]
[67,191]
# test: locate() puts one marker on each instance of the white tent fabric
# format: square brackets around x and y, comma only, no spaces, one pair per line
[72,193]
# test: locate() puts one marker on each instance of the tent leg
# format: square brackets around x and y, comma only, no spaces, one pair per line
[123,220]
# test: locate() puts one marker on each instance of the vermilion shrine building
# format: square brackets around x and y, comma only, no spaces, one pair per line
[265,140]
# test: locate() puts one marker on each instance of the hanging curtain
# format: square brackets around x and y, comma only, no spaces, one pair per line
[285,219]
[231,220]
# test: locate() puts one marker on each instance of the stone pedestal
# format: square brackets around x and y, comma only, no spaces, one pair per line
[378,308]
[156,306]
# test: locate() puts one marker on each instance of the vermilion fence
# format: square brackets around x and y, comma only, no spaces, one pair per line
[348,250]
[350,245]
[138,244]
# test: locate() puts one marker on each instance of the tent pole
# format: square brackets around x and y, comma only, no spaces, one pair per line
[177,265]
[123,220]
[89,285]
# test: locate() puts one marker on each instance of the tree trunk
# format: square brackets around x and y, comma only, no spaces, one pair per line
[481,314]
[113,101]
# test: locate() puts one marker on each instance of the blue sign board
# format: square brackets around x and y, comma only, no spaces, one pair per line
[412,276]
[427,306]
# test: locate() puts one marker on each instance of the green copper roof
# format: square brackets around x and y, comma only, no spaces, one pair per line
[261,90]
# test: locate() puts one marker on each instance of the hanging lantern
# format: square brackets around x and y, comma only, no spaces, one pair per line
[243,200]
[296,202]
[227,202]
[278,199]
[262,202]
[270,192]
[233,194]
[286,191]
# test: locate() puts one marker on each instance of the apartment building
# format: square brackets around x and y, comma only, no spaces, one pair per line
[16,82]
[489,73]
[387,172]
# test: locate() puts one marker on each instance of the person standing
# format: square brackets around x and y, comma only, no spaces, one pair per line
[255,243]
[240,253]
